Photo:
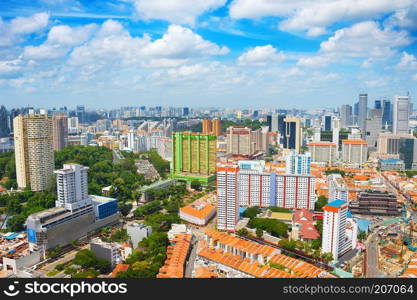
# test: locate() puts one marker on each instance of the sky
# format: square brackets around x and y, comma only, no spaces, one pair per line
[206,53]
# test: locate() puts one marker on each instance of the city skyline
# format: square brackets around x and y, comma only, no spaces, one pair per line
[227,53]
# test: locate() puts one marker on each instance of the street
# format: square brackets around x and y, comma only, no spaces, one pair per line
[372,258]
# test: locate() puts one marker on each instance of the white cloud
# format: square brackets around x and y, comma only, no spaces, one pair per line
[60,41]
[10,68]
[175,11]
[300,15]
[260,56]
[407,62]
[415,77]
[365,39]
[114,43]
[406,18]
[13,31]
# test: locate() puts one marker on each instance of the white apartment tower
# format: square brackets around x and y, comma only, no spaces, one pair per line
[334,229]
[34,151]
[227,197]
[72,187]
[401,114]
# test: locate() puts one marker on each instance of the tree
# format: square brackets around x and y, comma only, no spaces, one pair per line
[125,208]
[321,202]
[362,236]
[242,232]
[16,223]
[85,258]
[251,212]
[327,257]
[196,185]
[259,232]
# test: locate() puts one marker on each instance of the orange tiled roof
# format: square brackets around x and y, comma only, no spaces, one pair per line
[354,142]
[203,213]
[205,272]
[176,256]
[119,268]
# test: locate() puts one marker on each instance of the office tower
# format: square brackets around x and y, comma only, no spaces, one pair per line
[336,130]
[323,152]
[281,128]
[334,229]
[72,187]
[227,196]
[298,164]
[346,115]
[59,131]
[80,113]
[401,114]
[408,152]
[73,125]
[185,111]
[292,137]
[4,122]
[327,123]
[386,112]
[363,112]
[273,122]
[373,128]
[194,157]
[354,152]
[378,104]
[389,143]
[13,114]
[34,151]
[338,189]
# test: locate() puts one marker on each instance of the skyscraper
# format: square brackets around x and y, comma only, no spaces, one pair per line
[81,114]
[292,134]
[346,115]
[363,112]
[401,114]
[386,112]
[34,151]
[327,123]
[60,131]
[4,122]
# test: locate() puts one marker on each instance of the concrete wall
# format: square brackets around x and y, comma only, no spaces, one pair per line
[23,262]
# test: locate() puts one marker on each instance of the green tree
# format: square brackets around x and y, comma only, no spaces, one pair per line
[321,202]
[242,232]
[259,232]
[251,212]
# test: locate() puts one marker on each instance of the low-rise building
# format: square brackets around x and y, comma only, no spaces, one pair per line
[177,253]
[391,164]
[323,152]
[198,213]
[137,232]
[104,250]
[376,203]
[354,152]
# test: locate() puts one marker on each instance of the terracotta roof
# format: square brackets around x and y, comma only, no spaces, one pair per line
[199,209]
[354,142]
[205,272]
[119,268]
[176,256]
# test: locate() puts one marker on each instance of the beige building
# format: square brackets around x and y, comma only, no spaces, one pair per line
[34,151]
[60,131]
[354,151]
[323,152]
[389,143]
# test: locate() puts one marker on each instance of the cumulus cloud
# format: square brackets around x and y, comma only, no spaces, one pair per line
[113,42]
[260,56]
[61,39]
[314,15]
[407,62]
[175,11]
[10,68]
[364,39]
[405,18]
[12,32]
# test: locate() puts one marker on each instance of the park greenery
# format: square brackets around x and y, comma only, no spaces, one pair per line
[91,265]
[148,258]
[272,226]
[335,171]
[254,124]
[321,202]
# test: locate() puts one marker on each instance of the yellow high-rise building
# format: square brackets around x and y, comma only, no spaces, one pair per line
[34,151]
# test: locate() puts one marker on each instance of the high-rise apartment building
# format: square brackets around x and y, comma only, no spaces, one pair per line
[401,114]
[323,152]
[338,189]
[72,186]
[4,122]
[298,164]
[354,152]
[34,151]
[292,134]
[60,131]
[334,238]
[194,156]
[251,183]
[73,125]
[212,126]
[80,112]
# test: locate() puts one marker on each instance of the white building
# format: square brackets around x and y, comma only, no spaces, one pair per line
[298,164]
[337,188]
[401,114]
[335,239]
[72,186]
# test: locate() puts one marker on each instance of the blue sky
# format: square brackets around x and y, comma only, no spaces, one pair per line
[230,53]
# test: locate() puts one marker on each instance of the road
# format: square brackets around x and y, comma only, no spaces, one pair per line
[372,258]
[191,259]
